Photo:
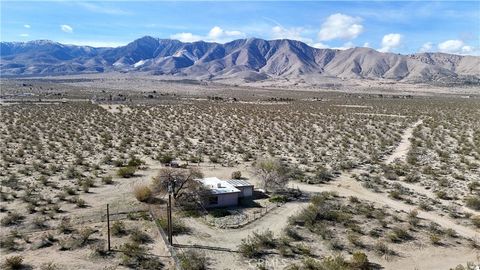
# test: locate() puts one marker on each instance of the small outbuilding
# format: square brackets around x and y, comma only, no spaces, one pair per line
[225,193]
[245,187]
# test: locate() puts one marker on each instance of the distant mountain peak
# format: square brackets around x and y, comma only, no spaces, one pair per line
[250,58]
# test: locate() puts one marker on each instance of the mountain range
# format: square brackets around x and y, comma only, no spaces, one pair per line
[250,59]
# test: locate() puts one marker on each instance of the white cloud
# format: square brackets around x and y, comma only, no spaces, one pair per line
[346,46]
[103,9]
[455,46]
[27,26]
[366,45]
[186,37]
[217,34]
[319,45]
[390,41]
[426,47]
[66,28]
[295,33]
[24,35]
[340,26]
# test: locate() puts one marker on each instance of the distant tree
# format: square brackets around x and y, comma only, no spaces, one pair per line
[185,187]
[273,174]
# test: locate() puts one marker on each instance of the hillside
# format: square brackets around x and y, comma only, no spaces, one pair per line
[250,59]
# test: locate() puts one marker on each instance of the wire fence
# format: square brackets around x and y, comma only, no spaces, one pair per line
[163,235]
[116,213]
[241,218]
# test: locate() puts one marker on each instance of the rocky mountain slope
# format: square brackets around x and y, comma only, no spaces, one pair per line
[251,59]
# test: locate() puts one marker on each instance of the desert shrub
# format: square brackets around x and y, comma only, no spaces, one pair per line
[137,236]
[398,234]
[126,172]
[237,175]
[193,260]
[39,223]
[12,218]
[473,202]
[65,226]
[99,249]
[83,235]
[118,228]
[413,218]
[179,227]
[335,244]
[45,241]
[412,178]
[468,266]
[13,262]
[49,266]
[451,232]
[442,194]
[472,186]
[329,263]
[107,180]
[354,239]
[359,261]
[278,198]
[165,158]
[382,249]
[135,162]
[143,193]
[292,233]
[425,206]
[81,203]
[151,263]
[8,243]
[132,254]
[435,239]
[302,249]
[476,221]
[395,194]
[254,245]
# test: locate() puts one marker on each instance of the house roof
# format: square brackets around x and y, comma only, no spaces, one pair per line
[217,186]
[239,183]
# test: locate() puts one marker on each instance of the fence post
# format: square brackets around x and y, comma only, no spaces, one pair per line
[108,226]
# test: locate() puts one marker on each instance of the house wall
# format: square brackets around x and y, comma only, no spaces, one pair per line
[227,199]
[246,191]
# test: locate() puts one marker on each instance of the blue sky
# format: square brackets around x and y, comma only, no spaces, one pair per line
[401,27]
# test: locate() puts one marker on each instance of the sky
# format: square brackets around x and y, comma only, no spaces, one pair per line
[389,26]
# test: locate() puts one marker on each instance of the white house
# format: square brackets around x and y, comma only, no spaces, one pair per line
[226,193]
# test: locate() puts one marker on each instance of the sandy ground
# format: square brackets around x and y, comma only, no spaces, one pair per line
[405,144]
[115,108]
[416,257]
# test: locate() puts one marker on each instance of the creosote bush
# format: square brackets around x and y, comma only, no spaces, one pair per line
[126,172]
[193,260]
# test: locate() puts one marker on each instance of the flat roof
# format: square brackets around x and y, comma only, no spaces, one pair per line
[239,183]
[217,186]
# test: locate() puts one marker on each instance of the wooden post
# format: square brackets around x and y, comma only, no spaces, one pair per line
[108,226]
[169,219]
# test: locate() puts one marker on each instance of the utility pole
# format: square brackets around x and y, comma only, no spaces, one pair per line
[169,212]
[108,226]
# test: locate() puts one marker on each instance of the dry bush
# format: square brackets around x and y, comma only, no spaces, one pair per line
[13,263]
[142,193]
